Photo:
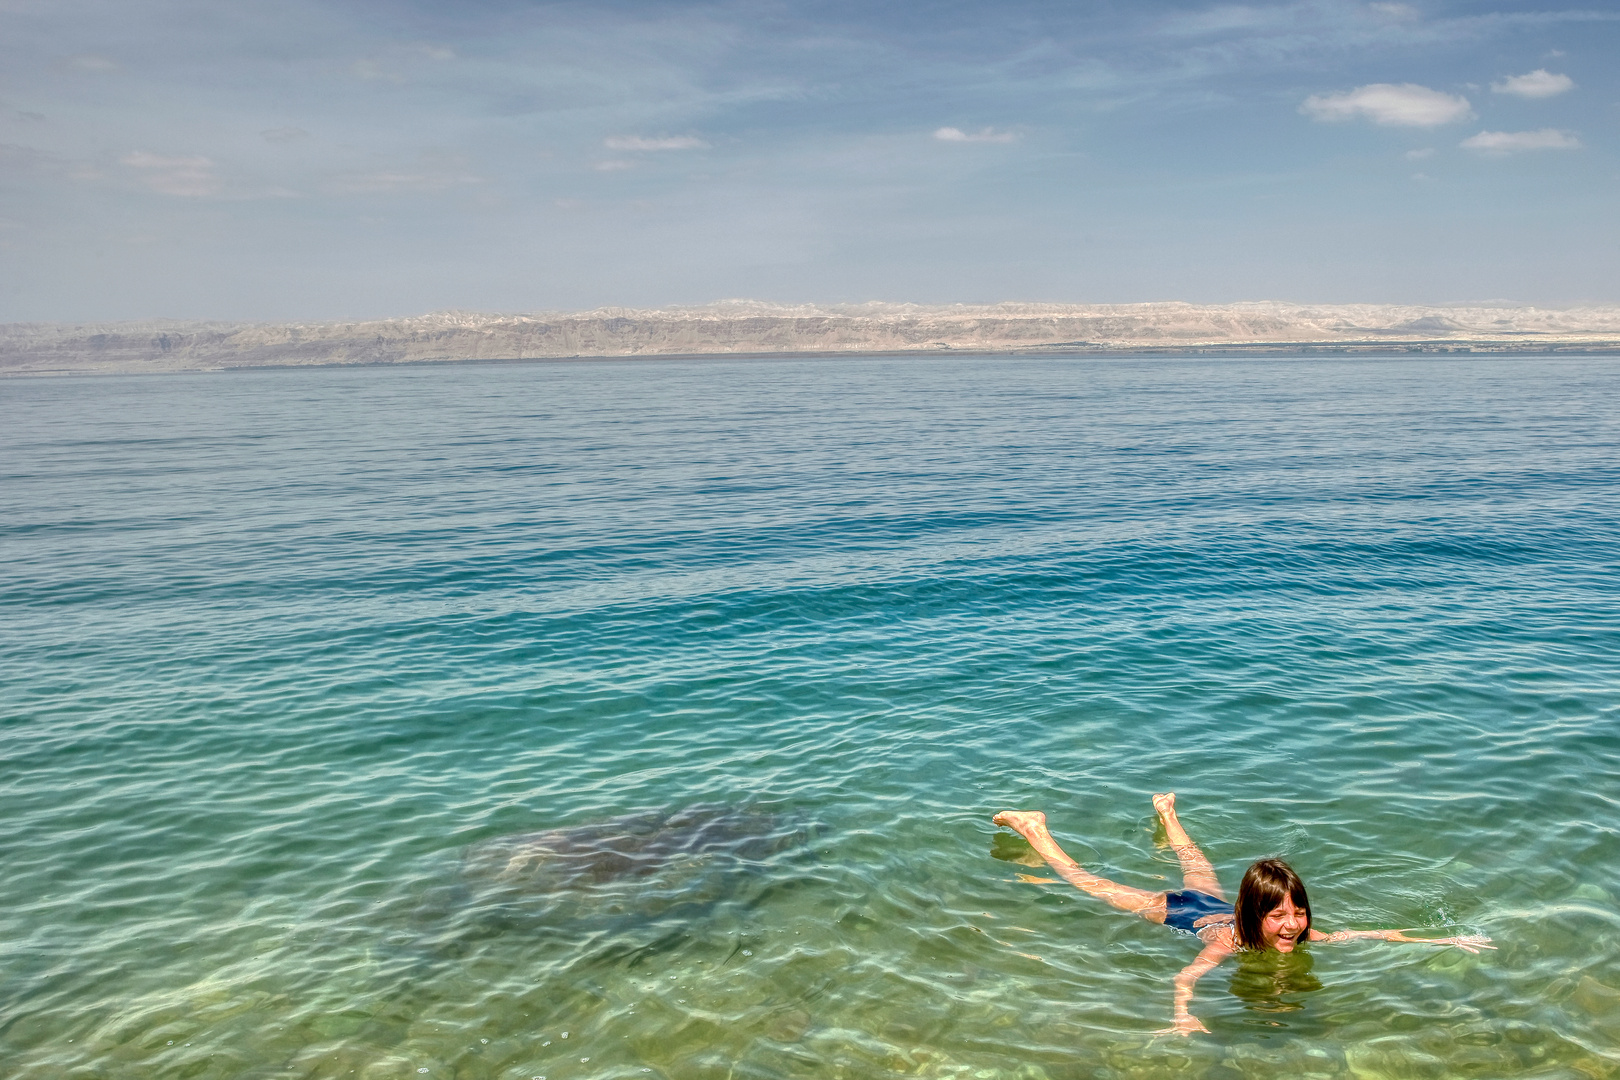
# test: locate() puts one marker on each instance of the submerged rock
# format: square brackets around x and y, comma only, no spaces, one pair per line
[633,846]
[650,870]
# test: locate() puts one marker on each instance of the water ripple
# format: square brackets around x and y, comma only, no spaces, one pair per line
[365,722]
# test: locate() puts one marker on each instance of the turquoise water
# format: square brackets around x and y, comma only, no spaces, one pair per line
[295,664]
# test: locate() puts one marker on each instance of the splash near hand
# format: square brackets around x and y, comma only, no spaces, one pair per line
[1467,942]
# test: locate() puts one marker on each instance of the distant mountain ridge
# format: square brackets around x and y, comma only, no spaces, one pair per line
[750,327]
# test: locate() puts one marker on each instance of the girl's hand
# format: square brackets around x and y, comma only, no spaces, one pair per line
[1467,942]
[1184,1025]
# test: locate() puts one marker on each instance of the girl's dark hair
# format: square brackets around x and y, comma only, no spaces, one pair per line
[1263,888]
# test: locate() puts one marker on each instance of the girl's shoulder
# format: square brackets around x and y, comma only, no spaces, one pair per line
[1223,934]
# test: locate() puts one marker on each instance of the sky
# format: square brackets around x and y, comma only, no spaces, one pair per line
[315,160]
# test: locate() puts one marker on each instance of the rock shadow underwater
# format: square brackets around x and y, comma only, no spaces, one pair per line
[629,884]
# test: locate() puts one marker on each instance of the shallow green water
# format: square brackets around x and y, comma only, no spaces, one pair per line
[287,660]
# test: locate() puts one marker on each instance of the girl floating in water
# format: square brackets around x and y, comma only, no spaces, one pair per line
[1272,911]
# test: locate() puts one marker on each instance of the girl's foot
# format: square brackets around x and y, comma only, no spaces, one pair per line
[1020,821]
[1165,804]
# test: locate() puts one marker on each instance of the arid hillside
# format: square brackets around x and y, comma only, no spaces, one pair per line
[744,327]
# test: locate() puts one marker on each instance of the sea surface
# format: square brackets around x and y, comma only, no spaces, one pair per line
[646,718]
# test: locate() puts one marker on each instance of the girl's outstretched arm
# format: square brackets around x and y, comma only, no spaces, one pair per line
[1186,1023]
[1468,942]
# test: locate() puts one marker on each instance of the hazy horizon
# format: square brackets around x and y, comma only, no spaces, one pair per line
[322,161]
[748,306]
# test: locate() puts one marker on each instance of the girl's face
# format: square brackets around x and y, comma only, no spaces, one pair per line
[1283,926]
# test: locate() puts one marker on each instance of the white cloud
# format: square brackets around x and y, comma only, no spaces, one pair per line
[371,70]
[1226,18]
[1513,142]
[284,134]
[989,135]
[1418,155]
[93,63]
[1406,105]
[385,182]
[639,142]
[1539,83]
[187,176]
[1395,11]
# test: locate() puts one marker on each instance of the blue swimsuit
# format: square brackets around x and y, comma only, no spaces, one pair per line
[1184,908]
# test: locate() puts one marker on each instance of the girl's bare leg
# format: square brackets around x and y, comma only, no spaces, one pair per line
[1196,871]
[1031,825]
